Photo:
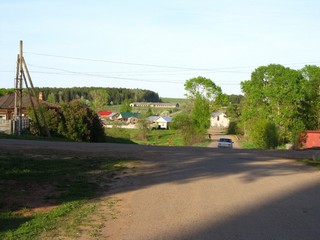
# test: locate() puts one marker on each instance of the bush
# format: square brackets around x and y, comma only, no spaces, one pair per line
[264,134]
[233,128]
[81,123]
[74,121]
[190,134]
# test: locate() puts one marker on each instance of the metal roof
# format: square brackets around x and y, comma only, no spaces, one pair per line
[7,101]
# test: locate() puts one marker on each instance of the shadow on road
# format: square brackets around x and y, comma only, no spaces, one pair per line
[292,215]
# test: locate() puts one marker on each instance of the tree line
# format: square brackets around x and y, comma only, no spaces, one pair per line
[113,95]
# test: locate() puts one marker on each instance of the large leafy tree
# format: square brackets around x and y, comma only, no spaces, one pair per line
[274,93]
[203,94]
[311,74]
[195,121]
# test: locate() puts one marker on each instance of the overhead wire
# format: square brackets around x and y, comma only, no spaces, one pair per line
[68,72]
[170,70]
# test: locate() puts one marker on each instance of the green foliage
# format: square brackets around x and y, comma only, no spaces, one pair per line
[81,123]
[233,128]
[125,107]
[204,96]
[115,95]
[264,134]
[312,91]
[51,98]
[277,94]
[143,126]
[200,115]
[53,117]
[74,121]
[149,112]
[184,124]
[99,99]
[235,99]
[5,91]
[202,86]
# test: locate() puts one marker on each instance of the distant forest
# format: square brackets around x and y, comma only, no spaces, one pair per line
[115,95]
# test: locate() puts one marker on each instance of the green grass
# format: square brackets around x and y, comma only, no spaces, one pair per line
[162,138]
[315,161]
[73,180]
[247,145]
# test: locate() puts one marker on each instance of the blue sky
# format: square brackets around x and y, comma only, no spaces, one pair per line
[155,45]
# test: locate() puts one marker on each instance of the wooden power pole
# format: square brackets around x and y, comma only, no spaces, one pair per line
[20,76]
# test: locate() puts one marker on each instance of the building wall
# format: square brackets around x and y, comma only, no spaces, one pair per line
[220,121]
[310,139]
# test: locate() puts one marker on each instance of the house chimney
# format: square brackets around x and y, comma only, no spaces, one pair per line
[41,96]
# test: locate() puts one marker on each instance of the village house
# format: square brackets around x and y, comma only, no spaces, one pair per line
[128,117]
[159,122]
[164,122]
[7,111]
[219,120]
[7,106]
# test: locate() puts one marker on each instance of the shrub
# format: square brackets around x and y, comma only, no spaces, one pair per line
[73,120]
[264,134]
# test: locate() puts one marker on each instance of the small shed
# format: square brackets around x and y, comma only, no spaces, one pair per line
[310,139]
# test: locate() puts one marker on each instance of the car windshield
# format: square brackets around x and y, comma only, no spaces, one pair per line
[225,140]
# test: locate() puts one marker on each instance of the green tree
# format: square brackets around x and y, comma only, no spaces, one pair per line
[183,123]
[99,99]
[144,127]
[275,93]
[311,74]
[202,93]
[5,91]
[125,107]
[51,98]
[149,112]
[53,117]
[200,114]
[202,86]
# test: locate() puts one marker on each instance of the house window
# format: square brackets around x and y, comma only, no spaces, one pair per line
[218,118]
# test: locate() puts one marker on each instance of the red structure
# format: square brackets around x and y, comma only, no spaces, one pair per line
[104,113]
[310,139]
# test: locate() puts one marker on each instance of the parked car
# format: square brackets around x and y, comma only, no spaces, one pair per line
[225,143]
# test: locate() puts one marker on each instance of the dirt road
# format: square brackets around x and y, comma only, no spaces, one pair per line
[215,134]
[207,193]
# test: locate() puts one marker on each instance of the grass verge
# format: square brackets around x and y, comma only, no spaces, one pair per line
[49,195]
[314,162]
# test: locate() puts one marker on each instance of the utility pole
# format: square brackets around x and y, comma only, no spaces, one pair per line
[20,75]
[18,95]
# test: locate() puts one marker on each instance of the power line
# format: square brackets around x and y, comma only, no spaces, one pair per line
[68,72]
[116,62]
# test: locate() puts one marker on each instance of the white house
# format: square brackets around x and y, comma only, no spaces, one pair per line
[164,122]
[219,120]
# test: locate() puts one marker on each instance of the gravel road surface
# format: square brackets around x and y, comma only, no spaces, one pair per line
[207,193]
